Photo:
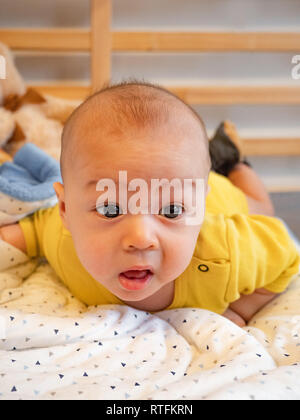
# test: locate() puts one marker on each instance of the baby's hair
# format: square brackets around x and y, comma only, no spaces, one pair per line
[131,103]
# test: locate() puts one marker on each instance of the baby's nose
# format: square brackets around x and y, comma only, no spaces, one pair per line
[140,234]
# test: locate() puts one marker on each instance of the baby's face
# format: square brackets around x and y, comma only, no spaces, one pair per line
[109,243]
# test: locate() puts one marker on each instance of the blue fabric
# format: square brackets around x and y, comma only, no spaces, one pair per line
[30,176]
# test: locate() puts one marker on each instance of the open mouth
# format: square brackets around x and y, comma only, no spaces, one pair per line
[135,279]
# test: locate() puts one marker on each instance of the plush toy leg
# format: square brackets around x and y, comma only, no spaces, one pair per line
[7,126]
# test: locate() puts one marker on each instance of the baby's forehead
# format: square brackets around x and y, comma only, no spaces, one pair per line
[129,166]
[164,123]
[142,155]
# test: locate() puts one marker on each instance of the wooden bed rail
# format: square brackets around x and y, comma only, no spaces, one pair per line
[101,42]
[96,40]
[71,39]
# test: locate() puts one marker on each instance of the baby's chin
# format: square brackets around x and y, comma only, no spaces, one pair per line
[131,293]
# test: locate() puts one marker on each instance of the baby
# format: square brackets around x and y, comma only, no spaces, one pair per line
[231,262]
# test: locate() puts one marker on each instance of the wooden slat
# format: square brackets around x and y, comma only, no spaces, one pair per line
[79,92]
[271,147]
[230,95]
[283,188]
[205,95]
[206,41]
[63,39]
[47,39]
[101,43]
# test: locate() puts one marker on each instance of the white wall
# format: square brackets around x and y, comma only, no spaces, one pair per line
[218,68]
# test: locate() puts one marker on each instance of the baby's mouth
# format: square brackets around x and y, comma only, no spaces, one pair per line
[135,279]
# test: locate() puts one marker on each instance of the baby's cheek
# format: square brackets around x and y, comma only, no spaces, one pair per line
[178,258]
[187,246]
[95,255]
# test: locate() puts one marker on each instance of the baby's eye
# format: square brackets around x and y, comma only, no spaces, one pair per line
[172,211]
[109,210]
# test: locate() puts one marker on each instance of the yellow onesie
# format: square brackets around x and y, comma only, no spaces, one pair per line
[235,254]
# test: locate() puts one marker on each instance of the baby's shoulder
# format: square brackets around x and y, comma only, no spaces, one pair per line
[212,239]
[49,219]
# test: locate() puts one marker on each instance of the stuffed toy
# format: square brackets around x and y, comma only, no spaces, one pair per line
[26,184]
[7,126]
[27,172]
[27,116]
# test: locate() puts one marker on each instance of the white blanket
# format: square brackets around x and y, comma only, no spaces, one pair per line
[54,347]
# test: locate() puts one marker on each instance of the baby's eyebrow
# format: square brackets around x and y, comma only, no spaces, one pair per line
[95,182]
[90,184]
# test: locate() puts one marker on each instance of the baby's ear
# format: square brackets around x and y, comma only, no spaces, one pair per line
[60,193]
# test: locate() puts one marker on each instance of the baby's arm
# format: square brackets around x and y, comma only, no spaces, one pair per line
[243,309]
[13,235]
[245,178]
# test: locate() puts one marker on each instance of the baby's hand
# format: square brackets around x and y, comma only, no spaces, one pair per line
[234,317]
[241,311]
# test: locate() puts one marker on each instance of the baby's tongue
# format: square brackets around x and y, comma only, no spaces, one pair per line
[135,274]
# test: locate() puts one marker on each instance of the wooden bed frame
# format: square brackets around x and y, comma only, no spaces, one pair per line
[100,41]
